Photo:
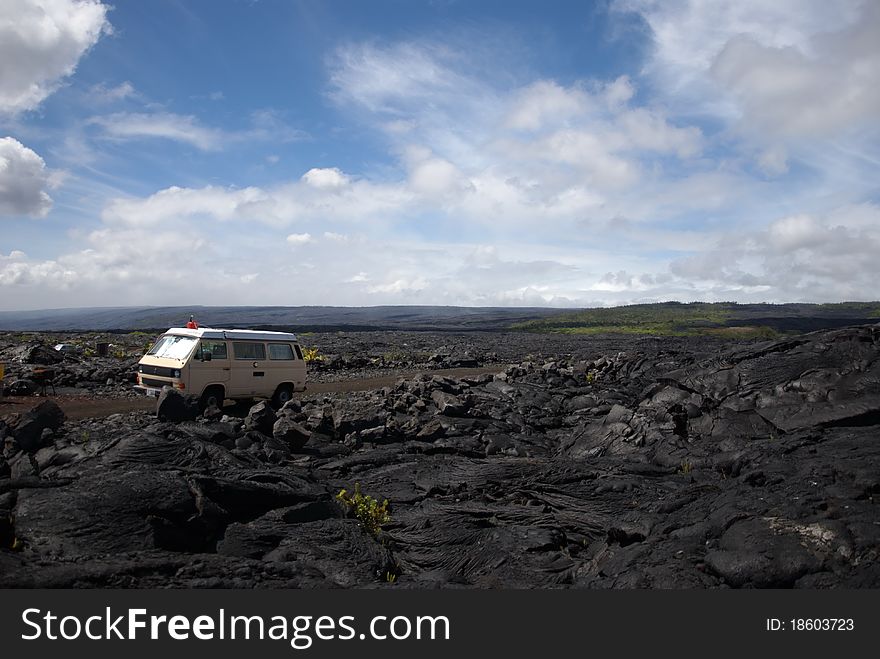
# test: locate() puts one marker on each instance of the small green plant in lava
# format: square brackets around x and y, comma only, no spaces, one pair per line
[371,514]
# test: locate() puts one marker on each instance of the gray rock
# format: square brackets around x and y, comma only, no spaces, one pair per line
[448,404]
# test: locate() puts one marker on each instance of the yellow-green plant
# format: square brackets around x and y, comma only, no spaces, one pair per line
[312,355]
[371,514]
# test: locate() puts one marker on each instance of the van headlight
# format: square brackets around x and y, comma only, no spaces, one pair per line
[176,374]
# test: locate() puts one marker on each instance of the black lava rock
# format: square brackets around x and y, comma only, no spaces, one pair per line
[176,407]
[29,430]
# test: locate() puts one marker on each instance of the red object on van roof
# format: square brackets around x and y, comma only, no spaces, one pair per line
[192,324]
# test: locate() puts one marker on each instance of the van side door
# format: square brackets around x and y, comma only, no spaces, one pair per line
[209,365]
[248,369]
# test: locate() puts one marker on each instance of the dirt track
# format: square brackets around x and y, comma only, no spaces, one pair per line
[83,407]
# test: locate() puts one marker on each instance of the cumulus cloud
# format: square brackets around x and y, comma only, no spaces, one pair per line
[41,43]
[299,238]
[113,264]
[398,286]
[546,102]
[23,180]
[782,69]
[329,178]
[799,257]
[174,202]
[479,151]
[500,192]
[320,194]
[436,178]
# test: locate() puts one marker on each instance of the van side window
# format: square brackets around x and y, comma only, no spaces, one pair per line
[249,350]
[217,349]
[299,353]
[280,351]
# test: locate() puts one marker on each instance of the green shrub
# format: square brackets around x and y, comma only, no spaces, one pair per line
[371,514]
[312,355]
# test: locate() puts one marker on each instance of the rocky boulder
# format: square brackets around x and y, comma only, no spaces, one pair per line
[29,429]
[287,431]
[261,418]
[176,407]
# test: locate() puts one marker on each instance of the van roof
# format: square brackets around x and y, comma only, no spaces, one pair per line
[240,334]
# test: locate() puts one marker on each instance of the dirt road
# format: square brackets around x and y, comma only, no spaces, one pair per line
[83,407]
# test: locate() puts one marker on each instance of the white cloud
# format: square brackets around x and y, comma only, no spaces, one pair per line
[112,264]
[41,43]
[180,128]
[330,178]
[173,203]
[401,285]
[124,126]
[774,160]
[23,180]
[476,151]
[507,193]
[783,69]
[622,281]
[546,102]
[796,258]
[393,79]
[436,178]
[319,195]
[104,94]
[299,238]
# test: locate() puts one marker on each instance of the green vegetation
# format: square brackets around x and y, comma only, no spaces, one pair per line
[668,318]
[726,320]
[371,514]
[870,309]
[312,355]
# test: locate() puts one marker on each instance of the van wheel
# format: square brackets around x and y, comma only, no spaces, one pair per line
[283,394]
[212,396]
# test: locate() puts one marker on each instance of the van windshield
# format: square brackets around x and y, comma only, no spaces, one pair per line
[173,347]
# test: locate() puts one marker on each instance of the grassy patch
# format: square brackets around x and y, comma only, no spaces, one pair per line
[668,318]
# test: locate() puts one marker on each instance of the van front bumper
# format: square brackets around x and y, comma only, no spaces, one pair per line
[148,391]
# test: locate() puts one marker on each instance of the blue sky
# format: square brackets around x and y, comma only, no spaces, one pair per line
[447,152]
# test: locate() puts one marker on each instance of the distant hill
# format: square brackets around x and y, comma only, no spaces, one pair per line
[724,319]
[293,318]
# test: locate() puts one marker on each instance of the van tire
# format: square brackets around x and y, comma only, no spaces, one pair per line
[212,396]
[283,393]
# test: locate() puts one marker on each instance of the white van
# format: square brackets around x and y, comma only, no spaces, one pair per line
[217,364]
